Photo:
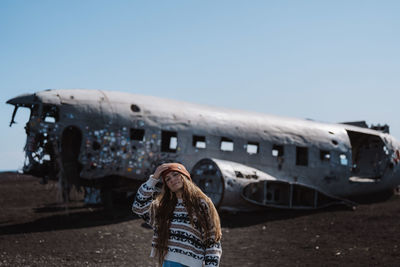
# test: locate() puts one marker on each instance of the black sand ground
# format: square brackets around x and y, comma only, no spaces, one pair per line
[36,229]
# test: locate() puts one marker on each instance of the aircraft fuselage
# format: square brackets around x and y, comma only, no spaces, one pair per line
[87,135]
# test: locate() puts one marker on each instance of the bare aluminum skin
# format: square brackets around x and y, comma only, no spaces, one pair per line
[82,137]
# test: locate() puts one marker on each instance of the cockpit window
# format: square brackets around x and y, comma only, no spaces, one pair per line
[17,116]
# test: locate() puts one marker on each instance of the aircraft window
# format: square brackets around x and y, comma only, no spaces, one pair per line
[135,108]
[277,151]
[50,114]
[301,156]
[324,155]
[169,141]
[173,144]
[137,134]
[343,159]
[252,147]
[226,144]
[199,141]
[50,119]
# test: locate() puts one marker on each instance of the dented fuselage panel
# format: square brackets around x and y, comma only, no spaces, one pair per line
[86,135]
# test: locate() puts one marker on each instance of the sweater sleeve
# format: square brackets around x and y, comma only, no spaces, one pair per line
[213,250]
[213,253]
[142,205]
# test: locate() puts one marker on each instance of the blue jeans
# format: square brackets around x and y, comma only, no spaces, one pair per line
[172,264]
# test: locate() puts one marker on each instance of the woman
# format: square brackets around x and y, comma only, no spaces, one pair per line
[187,230]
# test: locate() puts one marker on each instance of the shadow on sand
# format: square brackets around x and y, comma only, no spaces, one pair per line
[242,219]
[61,218]
[82,216]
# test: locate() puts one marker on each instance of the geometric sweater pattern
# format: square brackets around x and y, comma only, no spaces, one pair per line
[186,244]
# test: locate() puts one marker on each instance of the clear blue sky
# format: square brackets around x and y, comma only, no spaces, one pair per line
[329,61]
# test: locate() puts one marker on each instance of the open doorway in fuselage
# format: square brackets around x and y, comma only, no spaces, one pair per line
[369,159]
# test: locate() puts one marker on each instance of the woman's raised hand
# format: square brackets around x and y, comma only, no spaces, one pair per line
[160,169]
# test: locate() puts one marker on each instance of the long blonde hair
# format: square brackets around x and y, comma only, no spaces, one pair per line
[197,204]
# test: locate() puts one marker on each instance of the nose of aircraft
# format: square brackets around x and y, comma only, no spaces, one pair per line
[25,99]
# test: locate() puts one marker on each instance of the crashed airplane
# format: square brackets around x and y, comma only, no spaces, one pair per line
[108,141]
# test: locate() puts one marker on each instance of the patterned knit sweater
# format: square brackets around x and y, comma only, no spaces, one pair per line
[186,244]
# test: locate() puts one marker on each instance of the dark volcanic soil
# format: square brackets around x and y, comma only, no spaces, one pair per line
[37,229]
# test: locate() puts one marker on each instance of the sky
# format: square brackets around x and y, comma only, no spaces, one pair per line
[330,61]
